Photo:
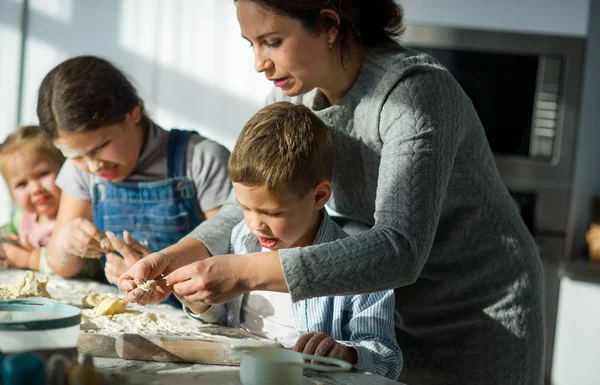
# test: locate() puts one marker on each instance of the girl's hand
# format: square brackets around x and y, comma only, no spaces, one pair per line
[320,344]
[131,250]
[81,238]
[15,256]
[214,280]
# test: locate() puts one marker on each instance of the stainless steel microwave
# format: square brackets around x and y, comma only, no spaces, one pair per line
[525,88]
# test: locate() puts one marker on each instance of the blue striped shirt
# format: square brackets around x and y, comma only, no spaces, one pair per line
[365,322]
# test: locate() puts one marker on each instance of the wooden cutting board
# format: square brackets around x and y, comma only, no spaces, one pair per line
[209,349]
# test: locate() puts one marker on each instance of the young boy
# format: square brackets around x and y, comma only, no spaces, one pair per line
[281,169]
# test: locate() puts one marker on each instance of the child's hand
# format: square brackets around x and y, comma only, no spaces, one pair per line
[131,250]
[81,238]
[15,256]
[320,344]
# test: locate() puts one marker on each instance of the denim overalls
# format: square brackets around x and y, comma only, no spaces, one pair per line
[157,214]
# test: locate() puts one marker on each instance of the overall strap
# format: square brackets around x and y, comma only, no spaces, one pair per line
[177,152]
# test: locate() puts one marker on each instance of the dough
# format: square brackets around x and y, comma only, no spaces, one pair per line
[29,286]
[104,304]
[110,306]
[8,291]
[146,286]
[93,299]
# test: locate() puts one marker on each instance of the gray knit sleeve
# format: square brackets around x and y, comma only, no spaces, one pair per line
[419,126]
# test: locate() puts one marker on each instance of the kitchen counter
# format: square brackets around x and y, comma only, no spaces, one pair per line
[120,371]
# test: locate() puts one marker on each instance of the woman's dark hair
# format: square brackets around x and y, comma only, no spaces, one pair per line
[368,22]
[82,93]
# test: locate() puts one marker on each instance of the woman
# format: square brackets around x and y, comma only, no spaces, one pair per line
[414,167]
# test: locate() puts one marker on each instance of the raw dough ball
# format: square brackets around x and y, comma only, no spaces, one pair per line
[93,299]
[110,306]
[104,304]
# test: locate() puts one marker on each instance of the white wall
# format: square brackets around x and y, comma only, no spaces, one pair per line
[11,12]
[187,58]
[555,17]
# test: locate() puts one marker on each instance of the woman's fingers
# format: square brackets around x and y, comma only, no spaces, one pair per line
[151,267]
[185,273]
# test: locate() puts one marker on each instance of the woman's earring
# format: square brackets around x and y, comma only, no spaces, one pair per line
[330,45]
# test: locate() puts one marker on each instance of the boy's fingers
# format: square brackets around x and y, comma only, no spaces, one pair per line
[325,347]
[314,342]
[301,343]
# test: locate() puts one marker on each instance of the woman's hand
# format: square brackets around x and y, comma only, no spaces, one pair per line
[212,281]
[131,250]
[15,256]
[148,268]
[81,238]
[320,344]
[195,307]
[223,278]
[156,266]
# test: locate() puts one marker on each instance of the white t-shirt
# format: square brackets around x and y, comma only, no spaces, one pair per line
[269,314]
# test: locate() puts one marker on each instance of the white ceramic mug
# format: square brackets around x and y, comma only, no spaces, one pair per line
[277,366]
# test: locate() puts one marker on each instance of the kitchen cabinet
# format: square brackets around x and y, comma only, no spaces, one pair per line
[552,17]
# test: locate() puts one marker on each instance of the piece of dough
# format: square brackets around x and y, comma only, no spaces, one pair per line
[8,291]
[31,287]
[110,306]
[93,299]
[28,286]
[146,286]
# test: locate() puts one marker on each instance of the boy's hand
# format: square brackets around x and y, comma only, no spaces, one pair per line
[320,344]
[81,238]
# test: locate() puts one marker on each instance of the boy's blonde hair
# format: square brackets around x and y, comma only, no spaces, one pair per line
[29,138]
[285,148]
